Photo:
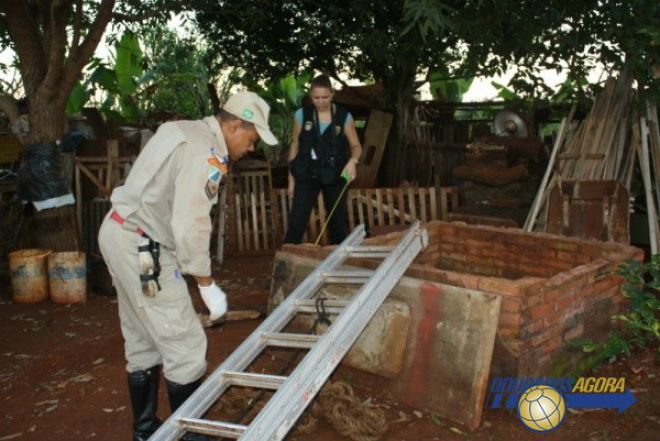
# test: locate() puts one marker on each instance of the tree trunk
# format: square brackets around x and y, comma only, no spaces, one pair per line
[55,229]
[399,96]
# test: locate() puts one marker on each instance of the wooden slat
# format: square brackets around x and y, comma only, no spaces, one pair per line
[422,205]
[239,223]
[390,206]
[263,217]
[350,200]
[360,206]
[433,201]
[411,204]
[379,200]
[370,210]
[255,216]
[402,206]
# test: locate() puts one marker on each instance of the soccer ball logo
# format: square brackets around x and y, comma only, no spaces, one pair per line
[541,408]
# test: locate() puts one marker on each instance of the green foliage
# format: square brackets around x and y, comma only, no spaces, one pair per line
[169,75]
[284,95]
[641,326]
[442,87]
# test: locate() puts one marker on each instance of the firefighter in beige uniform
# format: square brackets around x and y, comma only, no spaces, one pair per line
[164,206]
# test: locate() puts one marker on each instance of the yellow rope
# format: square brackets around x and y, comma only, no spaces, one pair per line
[348,181]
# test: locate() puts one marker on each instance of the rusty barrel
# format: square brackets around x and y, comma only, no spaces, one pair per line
[67,276]
[29,276]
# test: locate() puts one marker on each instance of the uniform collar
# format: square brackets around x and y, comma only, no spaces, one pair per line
[214,125]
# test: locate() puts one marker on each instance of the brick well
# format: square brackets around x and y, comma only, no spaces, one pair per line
[552,287]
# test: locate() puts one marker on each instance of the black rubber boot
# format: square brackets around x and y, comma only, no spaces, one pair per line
[177,394]
[143,388]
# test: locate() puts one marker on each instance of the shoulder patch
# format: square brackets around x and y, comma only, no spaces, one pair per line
[214,162]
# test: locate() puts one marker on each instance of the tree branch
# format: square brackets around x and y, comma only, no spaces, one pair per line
[168,6]
[27,43]
[81,54]
[58,15]
[9,105]
[77,24]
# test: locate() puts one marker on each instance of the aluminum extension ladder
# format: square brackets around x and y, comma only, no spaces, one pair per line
[295,392]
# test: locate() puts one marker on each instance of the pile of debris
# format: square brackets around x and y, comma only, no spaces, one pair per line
[498,172]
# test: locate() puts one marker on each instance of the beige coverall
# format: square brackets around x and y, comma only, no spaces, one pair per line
[168,194]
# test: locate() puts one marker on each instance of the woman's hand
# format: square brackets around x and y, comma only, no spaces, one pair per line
[351,169]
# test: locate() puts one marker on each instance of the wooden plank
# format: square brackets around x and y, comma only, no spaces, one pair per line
[360,206]
[370,210]
[93,178]
[350,200]
[239,223]
[264,217]
[390,206]
[255,216]
[541,197]
[402,206]
[434,208]
[375,138]
[379,200]
[643,156]
[422,205]
[276,216]
[222,222]
[412,210]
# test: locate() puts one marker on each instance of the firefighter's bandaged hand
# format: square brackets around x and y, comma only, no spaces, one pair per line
[214,299]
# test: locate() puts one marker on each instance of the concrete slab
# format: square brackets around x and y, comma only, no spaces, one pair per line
[430,344]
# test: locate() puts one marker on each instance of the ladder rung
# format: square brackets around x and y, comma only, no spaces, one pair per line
[380,255]
[286,340]
[358,277]
[332,303]
[330,306]
[213,428]
[248,379]
[370,249]
[373,251]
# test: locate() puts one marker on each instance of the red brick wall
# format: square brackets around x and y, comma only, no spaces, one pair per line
[551,286]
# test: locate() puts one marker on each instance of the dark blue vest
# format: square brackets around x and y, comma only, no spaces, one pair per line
[331,148]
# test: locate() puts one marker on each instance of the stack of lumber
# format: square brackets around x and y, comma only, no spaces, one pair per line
[603,147]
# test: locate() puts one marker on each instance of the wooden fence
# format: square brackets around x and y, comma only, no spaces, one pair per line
[260,223]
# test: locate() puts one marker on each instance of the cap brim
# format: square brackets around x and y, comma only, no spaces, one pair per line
[266,136]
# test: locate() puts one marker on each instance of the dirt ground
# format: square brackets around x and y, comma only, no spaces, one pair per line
[62,376]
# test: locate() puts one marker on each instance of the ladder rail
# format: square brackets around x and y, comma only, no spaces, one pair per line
[289,402]
[215,384]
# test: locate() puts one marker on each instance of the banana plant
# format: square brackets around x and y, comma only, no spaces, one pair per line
[284,95]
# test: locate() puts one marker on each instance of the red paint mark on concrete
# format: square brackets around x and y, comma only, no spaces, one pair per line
[426,333]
